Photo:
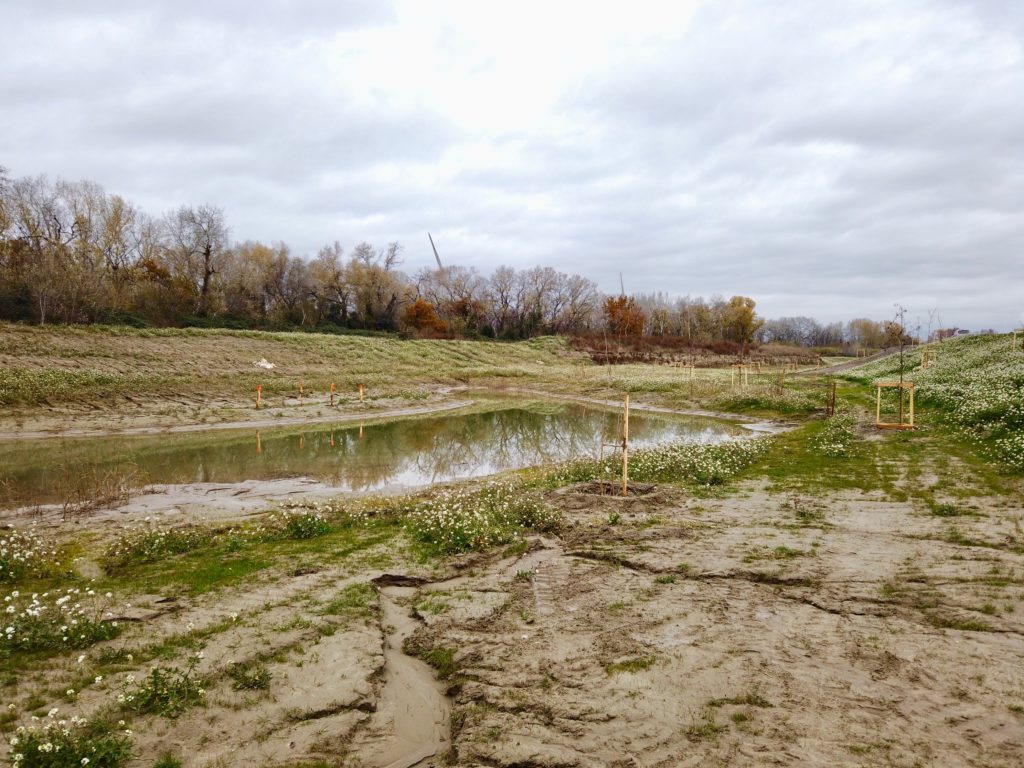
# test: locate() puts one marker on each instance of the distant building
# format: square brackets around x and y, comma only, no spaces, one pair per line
[944,333]
[949,333]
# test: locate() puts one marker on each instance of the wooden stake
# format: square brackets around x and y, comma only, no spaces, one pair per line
[911,406]
[332,403]
[625,447]
[301,392]
[360,393]
[259,395]
[878,406]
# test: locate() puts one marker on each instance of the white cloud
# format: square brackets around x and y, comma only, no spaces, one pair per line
[825,158]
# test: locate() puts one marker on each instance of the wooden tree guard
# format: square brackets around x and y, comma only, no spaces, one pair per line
[739,373]
[901,424]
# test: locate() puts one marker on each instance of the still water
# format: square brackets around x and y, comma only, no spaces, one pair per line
[408,452]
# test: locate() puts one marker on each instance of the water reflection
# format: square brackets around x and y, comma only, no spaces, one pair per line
[410,452]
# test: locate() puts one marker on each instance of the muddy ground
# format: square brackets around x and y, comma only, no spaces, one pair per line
[657,630]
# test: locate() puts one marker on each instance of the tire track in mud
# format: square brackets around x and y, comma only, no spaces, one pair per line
[548,577]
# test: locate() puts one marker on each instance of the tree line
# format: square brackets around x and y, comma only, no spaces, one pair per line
[72,253]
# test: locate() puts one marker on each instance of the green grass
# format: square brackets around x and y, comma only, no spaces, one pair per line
[442,659]
[222,562]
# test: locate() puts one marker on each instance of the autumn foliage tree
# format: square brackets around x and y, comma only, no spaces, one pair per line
[421,317]
[623,316]
[741,320]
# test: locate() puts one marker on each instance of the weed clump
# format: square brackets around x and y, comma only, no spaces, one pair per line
[56,621]
[26,554]
[70,744]
[166,691]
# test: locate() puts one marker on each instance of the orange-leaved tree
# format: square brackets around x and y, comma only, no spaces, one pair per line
[623,316]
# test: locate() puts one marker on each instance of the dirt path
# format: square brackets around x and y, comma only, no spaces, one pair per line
[850,365]
[264,423]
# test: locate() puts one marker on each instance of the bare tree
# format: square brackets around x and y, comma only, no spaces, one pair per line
[198,238]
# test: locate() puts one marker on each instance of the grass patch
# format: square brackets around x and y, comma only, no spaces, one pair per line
[637,664]
[753,699]
[249,677]
[964,625]
[354,600]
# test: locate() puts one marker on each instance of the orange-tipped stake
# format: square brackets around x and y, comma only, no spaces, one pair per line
[300,392]
[360,393]
[332,403]
[259,395]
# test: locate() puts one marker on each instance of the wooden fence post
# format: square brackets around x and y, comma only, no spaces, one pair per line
[625,447]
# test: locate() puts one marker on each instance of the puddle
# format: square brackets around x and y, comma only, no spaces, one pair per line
[413,715]
[404,453]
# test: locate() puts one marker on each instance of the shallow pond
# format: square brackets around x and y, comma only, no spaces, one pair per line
[407,452]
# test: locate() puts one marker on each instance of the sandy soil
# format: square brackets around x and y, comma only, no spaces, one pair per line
[753,629]
[147,421]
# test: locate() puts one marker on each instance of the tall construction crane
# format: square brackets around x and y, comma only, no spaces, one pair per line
[436,257]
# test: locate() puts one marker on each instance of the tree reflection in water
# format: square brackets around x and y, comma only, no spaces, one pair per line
[408,452]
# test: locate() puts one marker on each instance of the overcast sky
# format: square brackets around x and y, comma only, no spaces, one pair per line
[826,158]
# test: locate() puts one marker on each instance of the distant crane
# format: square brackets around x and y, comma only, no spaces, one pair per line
[436,257]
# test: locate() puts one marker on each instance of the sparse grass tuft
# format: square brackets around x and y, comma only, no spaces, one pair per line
[637,664]
[249,677]
[354,600]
